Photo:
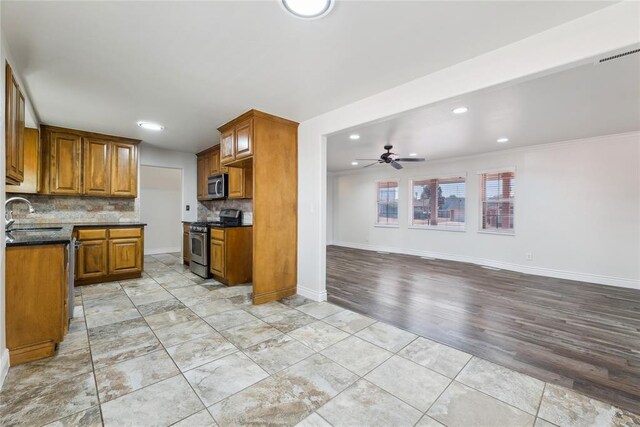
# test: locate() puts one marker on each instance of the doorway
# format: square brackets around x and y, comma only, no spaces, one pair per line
[160,209]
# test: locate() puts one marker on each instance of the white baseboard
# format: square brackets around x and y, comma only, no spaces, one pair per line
[312,294]
[157,251]
[538,271]
[4,365]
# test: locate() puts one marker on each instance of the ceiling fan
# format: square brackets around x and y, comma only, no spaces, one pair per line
[391,159]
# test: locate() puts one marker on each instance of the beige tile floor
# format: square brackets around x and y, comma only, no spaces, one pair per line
[173,349]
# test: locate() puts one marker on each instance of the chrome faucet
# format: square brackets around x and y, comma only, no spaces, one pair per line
[8,213]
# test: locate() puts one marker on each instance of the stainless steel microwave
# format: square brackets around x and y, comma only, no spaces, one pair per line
[218,186]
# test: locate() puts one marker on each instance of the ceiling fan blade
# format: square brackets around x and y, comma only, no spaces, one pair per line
[409,159]
[370,160]
[371,164]
[396,165]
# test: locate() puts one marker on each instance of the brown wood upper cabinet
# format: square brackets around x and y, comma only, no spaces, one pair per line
[31,183]
[236,142]
[83,163]
[208,164]
[241,181]
[64,163]
[227,148]
[97,167]
[244,139]
[14,130]
[124,170]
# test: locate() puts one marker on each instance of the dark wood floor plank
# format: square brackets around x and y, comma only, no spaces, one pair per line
[580,335]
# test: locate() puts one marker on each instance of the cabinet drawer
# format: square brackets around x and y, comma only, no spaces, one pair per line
[217,234]
[92,234]
[118,233]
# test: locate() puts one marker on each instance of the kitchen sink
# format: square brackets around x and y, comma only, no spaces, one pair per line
[33,229]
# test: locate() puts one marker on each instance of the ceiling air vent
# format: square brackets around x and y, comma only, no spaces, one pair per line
[620,55]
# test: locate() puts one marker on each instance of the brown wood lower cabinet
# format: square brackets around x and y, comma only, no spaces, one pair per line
[36,292]
[108,254]
[92,259]
[186,249]
[125,256]
[231,255]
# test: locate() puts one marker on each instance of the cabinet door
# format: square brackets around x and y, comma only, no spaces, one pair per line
[64,163]
[202,167]
[244,139]
[125,255]
[18,162]
[236,183]
[217,266]
[227,147]
[92,259]
[214,162]
[97,167]
[124,170]
[14,132]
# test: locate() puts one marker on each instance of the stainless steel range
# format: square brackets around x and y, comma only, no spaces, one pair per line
[199,240]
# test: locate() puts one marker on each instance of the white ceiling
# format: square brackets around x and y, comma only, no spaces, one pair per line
[192,66]
[588,100]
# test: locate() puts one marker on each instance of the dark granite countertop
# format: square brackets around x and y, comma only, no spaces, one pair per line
[53,233]
[230,226]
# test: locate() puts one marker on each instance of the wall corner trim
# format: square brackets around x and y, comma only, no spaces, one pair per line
[312,294]
[4,365]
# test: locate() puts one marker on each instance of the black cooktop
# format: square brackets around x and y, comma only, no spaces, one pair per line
[219,224]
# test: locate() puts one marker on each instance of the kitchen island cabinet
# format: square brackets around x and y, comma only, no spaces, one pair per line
[36,295]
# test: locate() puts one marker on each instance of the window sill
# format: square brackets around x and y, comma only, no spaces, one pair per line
[455,230]
[498,233]
[386,225]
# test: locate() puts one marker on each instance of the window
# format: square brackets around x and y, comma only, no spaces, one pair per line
[497,196]
[438,203]
[387,204]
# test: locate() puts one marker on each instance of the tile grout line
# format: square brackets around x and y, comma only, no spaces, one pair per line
[92,367]
[163,349]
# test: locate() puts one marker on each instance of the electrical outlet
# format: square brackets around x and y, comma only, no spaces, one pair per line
[188,207]
[528,256]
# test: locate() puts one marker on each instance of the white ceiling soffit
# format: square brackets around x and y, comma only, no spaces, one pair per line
[589,100]
[191,66]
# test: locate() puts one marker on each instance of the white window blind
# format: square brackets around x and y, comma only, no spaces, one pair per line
[439,203]
[387,203]
[497,197]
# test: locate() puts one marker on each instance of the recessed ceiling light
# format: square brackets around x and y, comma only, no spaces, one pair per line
[354,136]
[413,154]
[308,9]
[150,126]
[354,163]
[459,110]
[502,140]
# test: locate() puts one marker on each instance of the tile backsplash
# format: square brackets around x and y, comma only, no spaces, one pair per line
[210,210]
[70,209]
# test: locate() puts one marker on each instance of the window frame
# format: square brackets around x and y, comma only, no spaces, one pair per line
[437,227]
[377,202]
[481,192]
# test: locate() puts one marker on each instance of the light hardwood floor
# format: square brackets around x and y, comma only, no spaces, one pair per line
[579,335]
